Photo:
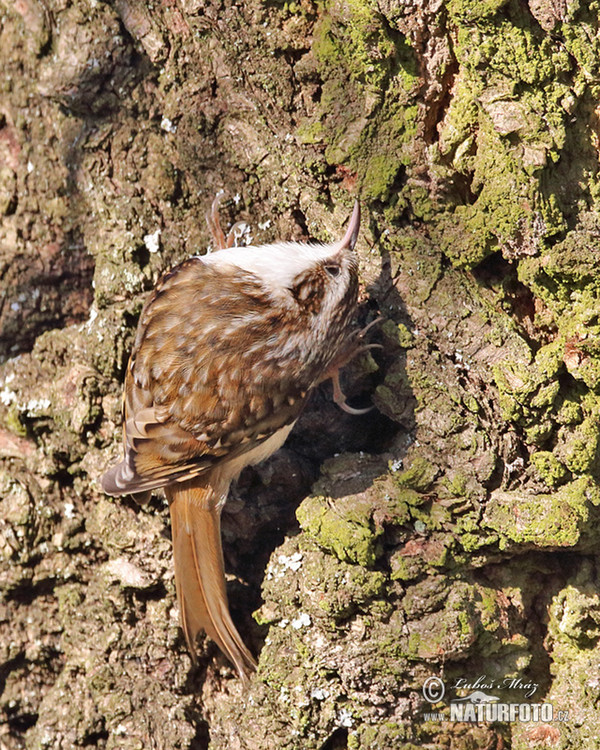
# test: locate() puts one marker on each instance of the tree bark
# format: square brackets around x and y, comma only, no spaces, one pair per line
[449,534]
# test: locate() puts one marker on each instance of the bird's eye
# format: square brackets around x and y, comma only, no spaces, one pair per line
[333,269]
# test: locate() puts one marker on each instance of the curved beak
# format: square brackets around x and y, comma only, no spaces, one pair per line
[349,239]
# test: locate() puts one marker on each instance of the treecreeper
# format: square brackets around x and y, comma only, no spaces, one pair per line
[228,347]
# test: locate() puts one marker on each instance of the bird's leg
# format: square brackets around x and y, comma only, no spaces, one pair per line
[348,354]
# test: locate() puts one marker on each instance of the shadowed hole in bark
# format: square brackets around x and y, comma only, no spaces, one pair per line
[141,256]
[552,572]
[26,592]
[96,739]
[500,275]
[52,290]
[300,219]
[201,740]
[337,741]
[19,722]
[436,109]
[155,593]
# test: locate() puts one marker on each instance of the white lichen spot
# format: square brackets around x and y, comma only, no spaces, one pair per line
[319,694]
[167,125]
[302,621]
[344,718]
[7,396]
[515,465]
[152,241]
[121,729]
[264,224]
[36,406]
[237,198]
[69,508]
[131,282]
[128,574]
[396,465]
[289,562]
[283,623]
[30,167]
[92,318]
[15,306]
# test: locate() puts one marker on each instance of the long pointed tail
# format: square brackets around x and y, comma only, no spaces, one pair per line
[199,573]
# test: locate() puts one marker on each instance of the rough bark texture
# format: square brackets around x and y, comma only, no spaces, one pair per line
[450,533]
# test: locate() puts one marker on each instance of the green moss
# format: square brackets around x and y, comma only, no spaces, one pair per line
[366,114]
[419,476]
[550,469]
[505,128]
[405,567]
[345,529]
[451,627]
[583,46]
[528,391]
[385,734]
[473,10]
[378,176]
[570,412]
[572,643]
[579,448]
[471,535]
[546,394]
[539,433]
[13,421]
[547,520]
[358,37]
[310,131]
[575,617]
[456,484]
[397,334]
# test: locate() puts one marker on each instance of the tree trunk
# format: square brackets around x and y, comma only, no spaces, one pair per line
[396,562]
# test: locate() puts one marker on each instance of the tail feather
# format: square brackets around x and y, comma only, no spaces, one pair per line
[199,572]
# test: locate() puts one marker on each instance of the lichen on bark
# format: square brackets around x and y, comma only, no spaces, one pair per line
[452,532]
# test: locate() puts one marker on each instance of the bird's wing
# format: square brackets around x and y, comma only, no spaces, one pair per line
[213,373]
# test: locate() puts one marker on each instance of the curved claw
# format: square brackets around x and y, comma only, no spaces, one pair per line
[351,410]
[366,347]
[363,331]
[340,399]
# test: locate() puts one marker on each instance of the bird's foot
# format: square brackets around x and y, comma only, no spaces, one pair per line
[213,220]
[353,349]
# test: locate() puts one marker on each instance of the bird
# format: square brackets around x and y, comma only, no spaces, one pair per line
[228,348]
